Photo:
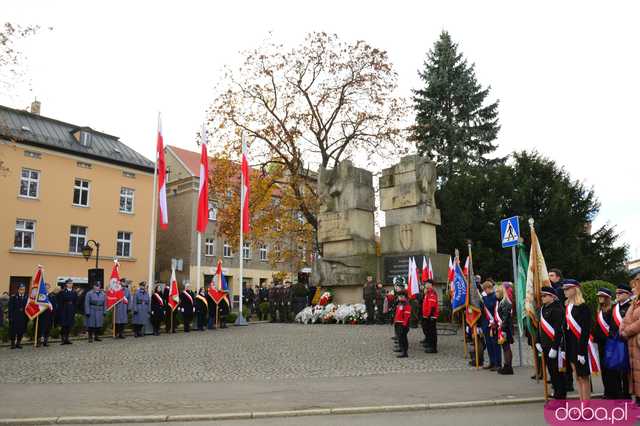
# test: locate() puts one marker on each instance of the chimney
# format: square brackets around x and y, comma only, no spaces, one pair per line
[35,107]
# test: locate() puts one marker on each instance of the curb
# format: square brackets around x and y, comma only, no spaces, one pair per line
[265,414]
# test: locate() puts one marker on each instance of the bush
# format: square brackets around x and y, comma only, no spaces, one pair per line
[589,290]
[4,333]
[264,309]
[231,317]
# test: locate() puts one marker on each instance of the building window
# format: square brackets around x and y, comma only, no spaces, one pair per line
[129,175]
[29,183]
[25,234]
[126,200]
[83,165]
[209,247]
[81,193]
[246,251]
[123,244]
[77,238]
[213,211]
[226,250]
[276,251]
[263,252]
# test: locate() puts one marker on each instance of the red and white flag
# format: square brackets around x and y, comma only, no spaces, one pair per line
[427,269]
[244,202]
[413,285]
[115,293]
[203,195]
[451,277]
[161,165]
[466,268]
[174,295]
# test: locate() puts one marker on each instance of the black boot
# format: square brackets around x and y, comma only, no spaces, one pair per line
[13,343]
[45,343]
[96,337]
[90,338]
[403,355]
[18,341]
[506,370]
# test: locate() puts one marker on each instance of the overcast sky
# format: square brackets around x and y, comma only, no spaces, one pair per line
[566,73]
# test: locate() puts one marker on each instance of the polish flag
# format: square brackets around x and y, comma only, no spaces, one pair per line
[465,271]
[414,288]
[203,195]
[427,269]
[244,202]
[162,177]
[115,293]
[174,295]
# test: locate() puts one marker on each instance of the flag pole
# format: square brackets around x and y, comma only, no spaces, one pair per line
[35,334]
[154,220]
[240,319]
[475,328]
[199,254]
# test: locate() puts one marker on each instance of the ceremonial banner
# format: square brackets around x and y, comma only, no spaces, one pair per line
[162,178]
[174,295]
[459,283]
[38,296]
[474,309]
[115,294]
[537,277]
[521,290]
[203,193]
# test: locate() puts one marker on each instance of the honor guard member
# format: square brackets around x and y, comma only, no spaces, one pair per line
[45,320]
[504,328]
[489,328]
[380,295]
[263,296]
[121,310]
[601,333]
[287,297]
[212,309]
[401,323]
[550,339]
[94,312]
[369,297]
[300,297]
[223,310]
[139,307]
[17,317]
[202,309]
[157,309]
[555,277]
[67,302]
[187,306]
[430,318]
[623,299]
[273,305]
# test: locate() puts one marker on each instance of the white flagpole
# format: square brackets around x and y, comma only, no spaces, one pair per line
[199,251]
[240,319]
[154,218]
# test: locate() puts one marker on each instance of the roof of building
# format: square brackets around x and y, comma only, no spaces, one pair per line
[34,129]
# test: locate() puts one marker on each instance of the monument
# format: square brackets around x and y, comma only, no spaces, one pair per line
[345,231]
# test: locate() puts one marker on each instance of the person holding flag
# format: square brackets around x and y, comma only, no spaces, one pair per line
[550,338]
[94,311]
[173,300]
[187,307]
[38,304]
[17,316]
[45,319]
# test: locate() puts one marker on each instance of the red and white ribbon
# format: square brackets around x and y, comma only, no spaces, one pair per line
[592,350]
[617,316]
[603,324]
[546,327]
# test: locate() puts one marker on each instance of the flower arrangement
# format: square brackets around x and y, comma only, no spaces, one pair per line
[325,298]
[328,314]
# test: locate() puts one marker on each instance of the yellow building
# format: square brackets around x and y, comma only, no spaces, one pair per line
[62,185]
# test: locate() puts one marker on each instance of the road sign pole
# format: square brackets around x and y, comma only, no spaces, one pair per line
[515,280]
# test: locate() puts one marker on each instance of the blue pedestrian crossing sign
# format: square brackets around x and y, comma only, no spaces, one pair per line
[509,231]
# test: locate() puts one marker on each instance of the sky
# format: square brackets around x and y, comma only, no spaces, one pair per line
[565,73]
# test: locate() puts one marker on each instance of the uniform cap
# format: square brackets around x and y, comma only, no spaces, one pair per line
[604,292]
[623,288]
[549,290]
[569,283]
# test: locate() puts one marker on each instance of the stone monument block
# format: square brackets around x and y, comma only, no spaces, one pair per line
[408,238]
[345,225]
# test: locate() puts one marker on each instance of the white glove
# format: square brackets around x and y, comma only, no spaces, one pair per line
[553,354]
[539,347]
[581,359]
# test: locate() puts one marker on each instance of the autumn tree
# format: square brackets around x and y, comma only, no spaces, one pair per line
[11,57]
[309,106]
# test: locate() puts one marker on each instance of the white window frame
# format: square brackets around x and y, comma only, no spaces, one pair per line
[227,250]
[23,229]
[80,188]
[127,194]
[212,213]
[264,253]
[209,247]
[121,240]
[76,237]
[29,180]
[246,250]
[85,138]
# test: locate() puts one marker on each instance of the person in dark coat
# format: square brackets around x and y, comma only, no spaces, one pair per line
[504,328]
[94,305]
[555,277]
[201,309]
[489,326]
[140,309]
[67,303]
[223,311]
[550,339]
[263,296]
[300,297]
[187,307]
[121,310]
[157,310]
[380,296]
[211,321]
[369,297]
[287,298]
[45,320]
[17,317]
[273,305]
[577,329]
[623,299]
[601,332]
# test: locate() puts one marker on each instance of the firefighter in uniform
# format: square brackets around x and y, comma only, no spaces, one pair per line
[401,324]
[67,302]
[121,310]
[623,299]
[17,317]
[550,339]
[430,318]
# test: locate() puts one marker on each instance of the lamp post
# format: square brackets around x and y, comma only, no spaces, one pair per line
[87,250]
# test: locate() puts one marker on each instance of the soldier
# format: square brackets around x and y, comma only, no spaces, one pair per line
[401,323]
[121,310]
[430,318]
[45,320]
[380,295]
[550,339]
[623,297]
[67,302]
[17,317]
[300,296]
[187,306]
[287,296]
[140,307]
[601,333]
[202,309]
[94,312]
[369,297]
[157,309]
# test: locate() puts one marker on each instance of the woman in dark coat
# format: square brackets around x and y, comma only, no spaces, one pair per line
[202,309]
[577,330]
[17,317]
[504,319]
[67,304]
[157,310]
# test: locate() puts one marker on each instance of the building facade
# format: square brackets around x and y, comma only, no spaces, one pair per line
[179,242]
[63,185]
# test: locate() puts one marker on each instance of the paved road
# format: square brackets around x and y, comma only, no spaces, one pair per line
[526,414]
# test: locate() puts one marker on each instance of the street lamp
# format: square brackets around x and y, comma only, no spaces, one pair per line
[87,250]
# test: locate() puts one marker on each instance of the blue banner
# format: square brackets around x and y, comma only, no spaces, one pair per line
[459,299]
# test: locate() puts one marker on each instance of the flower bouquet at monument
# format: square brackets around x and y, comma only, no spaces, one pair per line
[325,298]
[358,314]
[316,313]
[304,316]
[342,313]
[328,315]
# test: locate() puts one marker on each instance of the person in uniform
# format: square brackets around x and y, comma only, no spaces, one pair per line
[201,309]
[401,324]
[187,306]
[67,302]
[157,309]
[250,301]
[430,318]
[550,338]
[94,312]
[623,299]
[45,320]
[369,297]
[121,310]
[555,277]
[504,328]
[273,305]
[287,298]
[139,307]
[380,295]
[17,317]
[577,328]
[300,297]
[223,310]
[601,332]
[489,326]
[263,296]
[212,309]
